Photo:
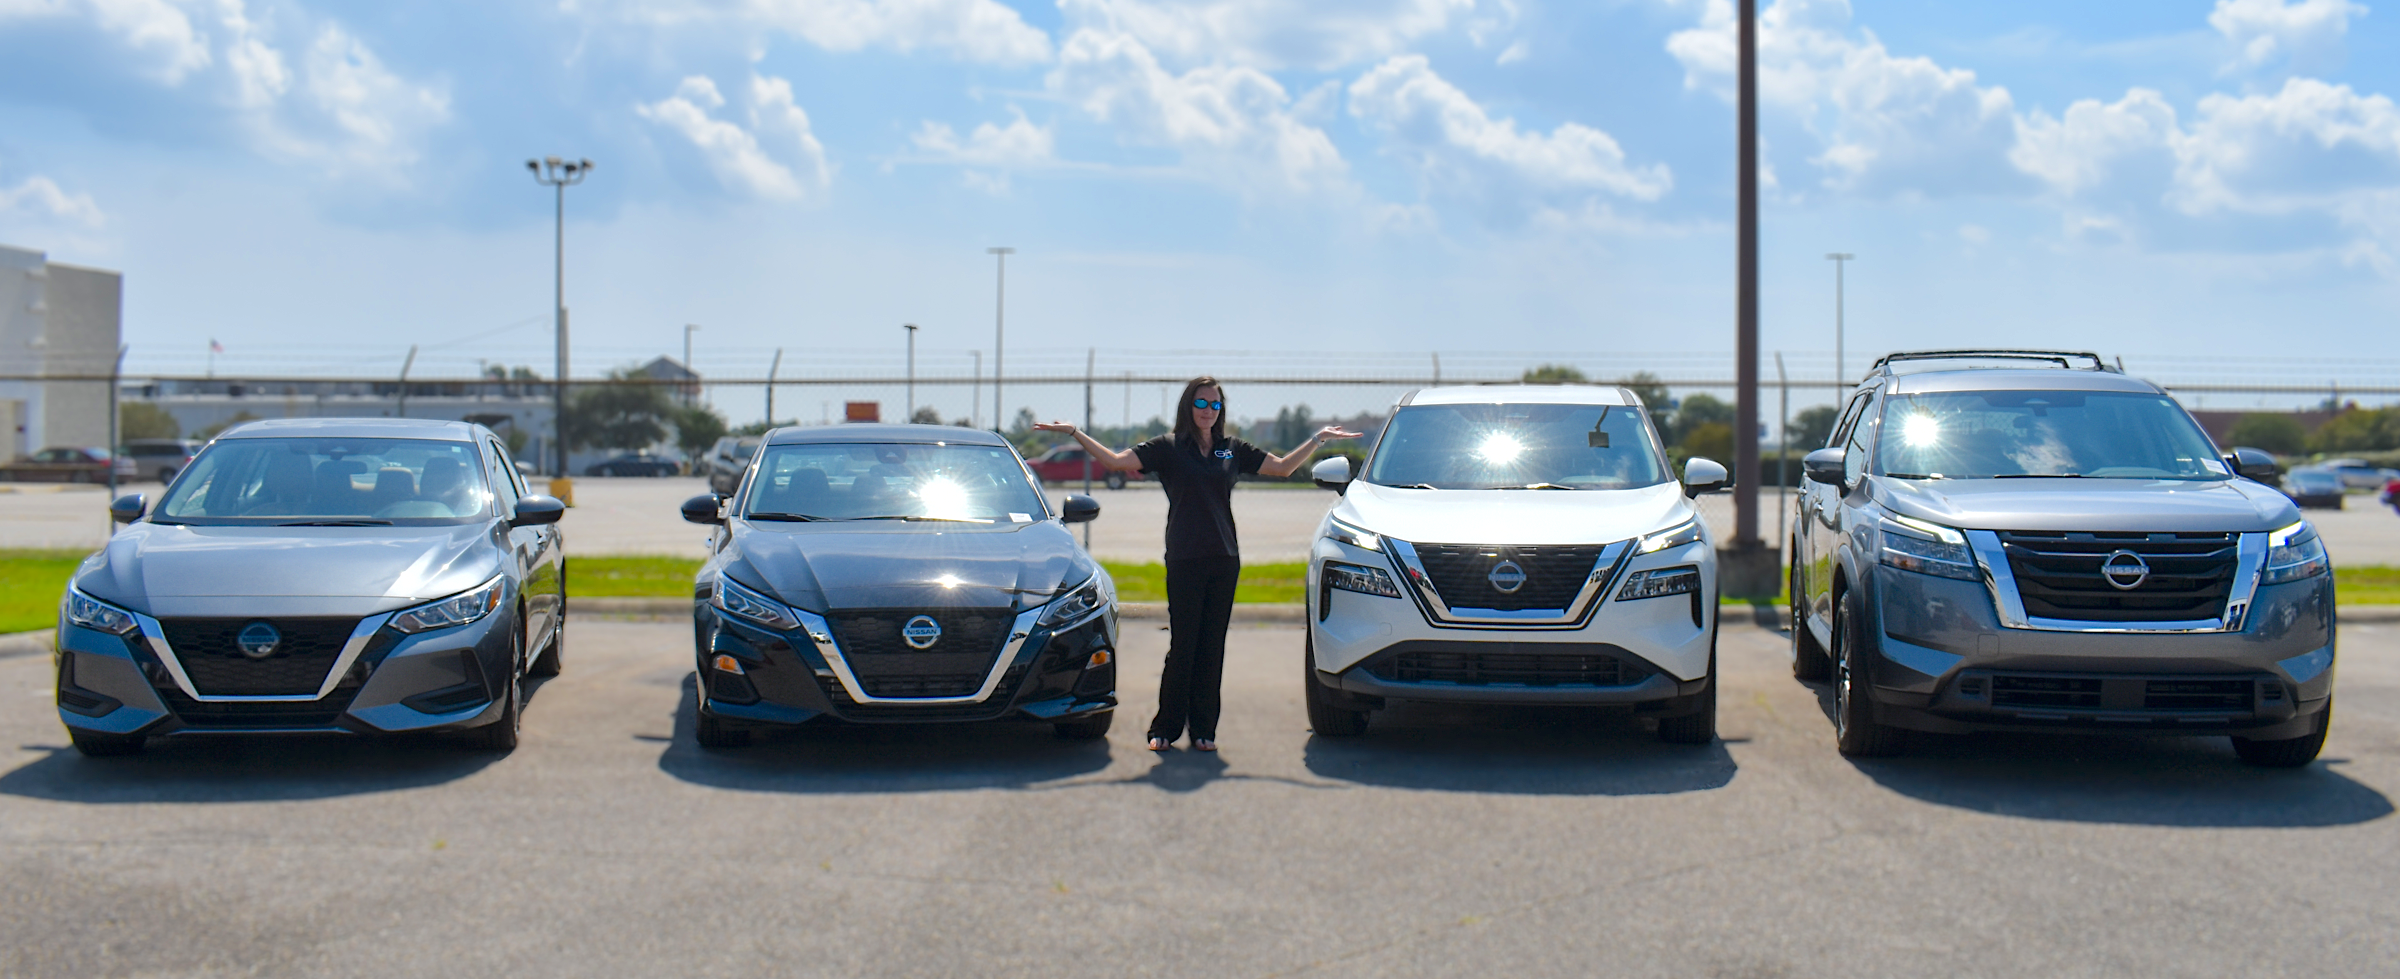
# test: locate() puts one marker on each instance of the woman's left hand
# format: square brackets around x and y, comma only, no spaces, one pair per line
[1331,432]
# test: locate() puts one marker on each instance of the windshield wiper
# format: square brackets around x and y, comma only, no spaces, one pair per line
[354,522]
[918,516]
[1413,486]
[1543,486]
[2038,476]
[782,516]
[1916,475]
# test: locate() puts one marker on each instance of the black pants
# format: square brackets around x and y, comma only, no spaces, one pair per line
[1199,605]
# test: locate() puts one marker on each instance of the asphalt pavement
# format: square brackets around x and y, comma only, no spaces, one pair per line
[1447,841]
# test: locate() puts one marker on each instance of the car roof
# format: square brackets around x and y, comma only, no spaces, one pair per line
[1539,394]
[926,434]
[2007,379]
[356,428]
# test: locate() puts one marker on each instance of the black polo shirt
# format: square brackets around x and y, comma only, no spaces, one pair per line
[1199,489]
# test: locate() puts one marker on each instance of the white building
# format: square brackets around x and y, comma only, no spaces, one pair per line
[55,321]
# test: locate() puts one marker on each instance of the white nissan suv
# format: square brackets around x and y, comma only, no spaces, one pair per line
[1515,545]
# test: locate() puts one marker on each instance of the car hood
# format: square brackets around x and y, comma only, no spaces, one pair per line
[821,567]
[2225,506]
[1513,516]
[182,570]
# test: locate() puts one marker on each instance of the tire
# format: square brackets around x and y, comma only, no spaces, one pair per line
[1091,728]
[501,735]
[547,664]
[1809,660]
[1116,480]
[1327,718]
[1699,726]
[2285,753]
[94,744]
[1856,731]
[715,734]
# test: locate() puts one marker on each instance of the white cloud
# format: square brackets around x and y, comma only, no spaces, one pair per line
[739,158]
[2083,148]
[40,199]
[2310,145]
[1450,138]
[1018,144]
[1514,53]
[975,30]
[1885,124]
[2305,33]
[1268,34]
[1230,124]
[157,29]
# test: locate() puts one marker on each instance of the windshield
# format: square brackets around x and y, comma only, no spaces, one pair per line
[851,481]
[1512,446]
[300,481]
[1999,434]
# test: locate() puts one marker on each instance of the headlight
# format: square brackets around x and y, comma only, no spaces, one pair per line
[1945,555]
[1361,579]
[749,606]
[1075,605]
[1352,534]
[1675,536]
[92,613]
[2293,553]
[1660,583]
[456,610]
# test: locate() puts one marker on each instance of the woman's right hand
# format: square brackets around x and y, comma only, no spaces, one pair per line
[1067,427]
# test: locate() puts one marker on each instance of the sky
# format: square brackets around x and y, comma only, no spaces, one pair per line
[2211,192]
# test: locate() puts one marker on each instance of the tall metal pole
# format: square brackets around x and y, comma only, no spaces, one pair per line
[691,394]
[116,387]
[1745,401]
[405,364]
[999,330]
[1838,376]
[912,372]
[560,174]
[975,399]
[772,367]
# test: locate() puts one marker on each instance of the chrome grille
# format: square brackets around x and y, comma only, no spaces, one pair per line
[2058,575]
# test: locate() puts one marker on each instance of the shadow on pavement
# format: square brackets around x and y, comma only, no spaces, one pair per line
[832,757]
[1525,750]
[2142,781]
[252,768]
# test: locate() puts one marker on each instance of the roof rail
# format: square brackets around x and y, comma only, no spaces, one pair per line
[2064,359]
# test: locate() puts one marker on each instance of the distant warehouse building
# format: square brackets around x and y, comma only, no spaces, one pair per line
[55,321]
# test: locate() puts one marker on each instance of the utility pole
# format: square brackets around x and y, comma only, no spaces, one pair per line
[1838,376]
[560,174]
[1749,567]
[405,364]
[691,393]
[999,329]
[772,367]
[912,372]
[975,400]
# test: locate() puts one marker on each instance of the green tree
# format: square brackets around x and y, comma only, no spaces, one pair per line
[2275,431]
[1553,374]
[1712,440]
[2358,430]
[143,420]
[1653,393]
[1293,426]
[925,415]
[618,413]
[1812,426]
[1699,410]
[696,428]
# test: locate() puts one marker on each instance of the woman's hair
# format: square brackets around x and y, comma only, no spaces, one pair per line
[1184,425]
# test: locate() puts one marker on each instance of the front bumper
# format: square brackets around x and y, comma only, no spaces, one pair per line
[1942,662]
[440,680]
[791,678]
[1646,651]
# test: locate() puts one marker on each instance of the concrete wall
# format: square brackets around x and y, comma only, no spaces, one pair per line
[81,334]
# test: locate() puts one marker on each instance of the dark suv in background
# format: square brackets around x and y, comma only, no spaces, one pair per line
[2031,540]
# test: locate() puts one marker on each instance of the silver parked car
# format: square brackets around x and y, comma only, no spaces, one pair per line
[321,575]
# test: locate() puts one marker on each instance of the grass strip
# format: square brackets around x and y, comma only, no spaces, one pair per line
[630,576]
[31,584]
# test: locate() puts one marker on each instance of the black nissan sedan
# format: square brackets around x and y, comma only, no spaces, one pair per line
[897,573]
[360,575]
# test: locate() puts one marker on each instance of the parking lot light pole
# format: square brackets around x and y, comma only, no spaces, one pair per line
[691,393]
[560,174]
[1838,259]
[911,417]
[999,330]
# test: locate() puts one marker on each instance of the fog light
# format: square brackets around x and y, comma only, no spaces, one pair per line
[1098,660]
[729,664]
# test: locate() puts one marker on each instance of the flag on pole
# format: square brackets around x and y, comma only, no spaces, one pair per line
[214,347]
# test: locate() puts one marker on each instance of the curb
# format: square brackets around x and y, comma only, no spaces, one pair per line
[1778,617]
[675,607]
[17,644]
[1286,612]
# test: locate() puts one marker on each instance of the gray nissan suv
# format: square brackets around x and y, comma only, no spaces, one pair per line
[2031,540]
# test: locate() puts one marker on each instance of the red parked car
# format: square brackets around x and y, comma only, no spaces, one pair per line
[68,464]
[1064,464]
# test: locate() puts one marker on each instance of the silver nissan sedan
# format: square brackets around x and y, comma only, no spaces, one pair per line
[362,575]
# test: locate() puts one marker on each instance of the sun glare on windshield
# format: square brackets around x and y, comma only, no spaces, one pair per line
[1499,449]
[943,497]
[1921,431]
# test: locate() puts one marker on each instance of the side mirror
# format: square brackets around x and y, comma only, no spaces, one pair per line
[128,508]
[2256,464]
[707,508]
[533,511]
[1823,466]
[1079,508]
[1702,476]
[1332,474]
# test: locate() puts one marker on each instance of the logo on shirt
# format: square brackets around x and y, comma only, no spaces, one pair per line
[1224,453]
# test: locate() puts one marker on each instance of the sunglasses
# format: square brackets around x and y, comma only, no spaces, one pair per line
[1210,405]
